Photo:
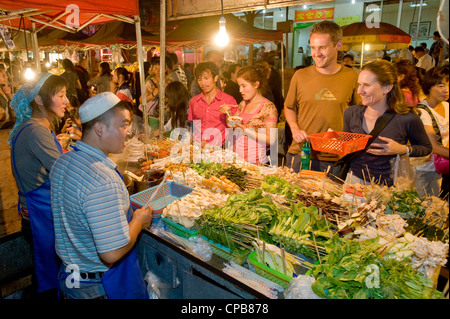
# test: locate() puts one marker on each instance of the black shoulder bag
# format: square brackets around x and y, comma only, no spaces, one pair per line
[343,165]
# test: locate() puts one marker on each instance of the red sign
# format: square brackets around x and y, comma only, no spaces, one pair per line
[311,15]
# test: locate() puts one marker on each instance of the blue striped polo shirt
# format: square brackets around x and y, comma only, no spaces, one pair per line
[89,204]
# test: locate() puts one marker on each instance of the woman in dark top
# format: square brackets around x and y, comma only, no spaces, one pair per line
[231,87]
[380,94]
[71,77]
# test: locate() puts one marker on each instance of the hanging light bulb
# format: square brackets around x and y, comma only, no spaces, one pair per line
[222,38]
[29,74]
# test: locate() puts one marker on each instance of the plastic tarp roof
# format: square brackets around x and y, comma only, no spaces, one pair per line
[112,33]
[198,32]
[52,13]
[46,38]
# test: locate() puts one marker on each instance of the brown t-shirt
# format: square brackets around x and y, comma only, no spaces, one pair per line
[320,101]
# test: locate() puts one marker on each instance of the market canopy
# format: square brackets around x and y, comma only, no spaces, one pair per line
[57,13]
[199,32]
[384,37]
[47,38]
[112,33]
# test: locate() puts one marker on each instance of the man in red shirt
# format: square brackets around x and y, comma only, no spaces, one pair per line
[209,124]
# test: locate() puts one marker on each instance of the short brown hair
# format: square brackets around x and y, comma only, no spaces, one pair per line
[204,67]
[328,27]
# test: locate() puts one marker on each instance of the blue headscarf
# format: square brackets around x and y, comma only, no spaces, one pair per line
[21,102]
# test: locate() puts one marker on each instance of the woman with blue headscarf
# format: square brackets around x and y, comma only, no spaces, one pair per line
[34,149]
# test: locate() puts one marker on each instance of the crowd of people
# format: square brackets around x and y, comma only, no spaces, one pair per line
[226,105]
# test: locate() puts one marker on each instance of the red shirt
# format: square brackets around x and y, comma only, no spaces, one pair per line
[209,116]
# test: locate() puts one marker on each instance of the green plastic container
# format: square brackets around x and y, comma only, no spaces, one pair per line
[239,257]
[178,229]
[267,272]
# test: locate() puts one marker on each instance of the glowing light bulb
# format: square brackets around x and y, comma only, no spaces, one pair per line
[366,47]
[29,74]
[222,38]
[47,64]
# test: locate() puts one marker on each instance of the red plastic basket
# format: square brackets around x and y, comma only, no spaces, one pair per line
[341,143]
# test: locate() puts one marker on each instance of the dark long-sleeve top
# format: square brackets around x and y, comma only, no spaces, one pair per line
[402,128]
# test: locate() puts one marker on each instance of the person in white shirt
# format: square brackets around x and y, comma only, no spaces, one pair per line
[425,61]
[435,86]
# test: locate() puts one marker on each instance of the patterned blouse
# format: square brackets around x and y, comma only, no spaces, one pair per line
[266,112]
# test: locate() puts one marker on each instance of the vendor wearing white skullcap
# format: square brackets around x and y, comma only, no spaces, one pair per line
[95,229]
[34,149]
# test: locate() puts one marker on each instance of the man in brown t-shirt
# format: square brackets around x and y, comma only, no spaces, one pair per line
[318,96]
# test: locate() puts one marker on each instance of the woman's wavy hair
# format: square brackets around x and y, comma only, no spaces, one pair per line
[410,79]
[386,75]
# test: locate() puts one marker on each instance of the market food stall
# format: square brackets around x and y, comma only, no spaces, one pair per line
[359,36]
[226,228]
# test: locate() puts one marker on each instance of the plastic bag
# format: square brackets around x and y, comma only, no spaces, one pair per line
[154,285]
[201,248]
[402,172]
[195,245]
[300,288]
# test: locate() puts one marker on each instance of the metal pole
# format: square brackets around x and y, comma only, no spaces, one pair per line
[282,64]
[137,23]
[162,70]
[399,17]
[418,21]
[362,56]
[34,44]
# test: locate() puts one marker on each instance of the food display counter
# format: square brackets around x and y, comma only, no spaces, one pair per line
[278,228]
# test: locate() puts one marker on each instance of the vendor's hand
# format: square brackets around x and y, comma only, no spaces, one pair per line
[225,109]
[72,130]
[144,216]
[298,135]
[391,147]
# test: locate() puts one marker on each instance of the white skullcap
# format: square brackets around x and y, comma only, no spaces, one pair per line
[97,105]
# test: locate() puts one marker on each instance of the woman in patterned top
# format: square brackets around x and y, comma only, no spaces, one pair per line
[259,117]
